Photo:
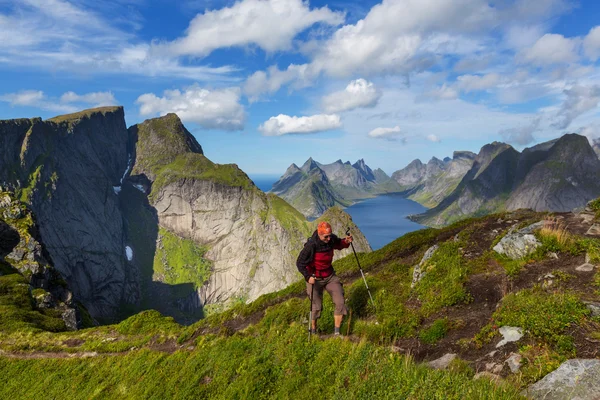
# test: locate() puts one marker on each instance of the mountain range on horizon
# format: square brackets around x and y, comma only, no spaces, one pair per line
[558,175]
[315,187]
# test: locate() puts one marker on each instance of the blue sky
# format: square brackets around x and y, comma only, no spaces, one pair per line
[267,83]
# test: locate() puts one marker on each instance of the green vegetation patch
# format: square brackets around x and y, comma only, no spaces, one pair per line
[289,218]
[544,316]
[196,166]
[146,322]
[17,308]
[435,332]
[280,364]
[179,260]
[446,273]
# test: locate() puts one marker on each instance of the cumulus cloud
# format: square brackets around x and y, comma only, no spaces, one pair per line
[68,102]
[285,124]
[522,135]
[552,49]
[591,44]
[386,133]
[358,93]
[433,138]
[269,24]
[580,99]
[395,37]
[211,109]
[470,83]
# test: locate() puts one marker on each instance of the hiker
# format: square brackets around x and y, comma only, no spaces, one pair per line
[314,262]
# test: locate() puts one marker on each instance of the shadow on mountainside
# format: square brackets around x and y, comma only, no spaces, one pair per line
[179,301]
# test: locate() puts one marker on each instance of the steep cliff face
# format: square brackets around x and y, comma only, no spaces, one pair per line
[558,175]
[566,176]
[66,169]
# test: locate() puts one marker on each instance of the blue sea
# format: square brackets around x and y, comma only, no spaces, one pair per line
[381,219]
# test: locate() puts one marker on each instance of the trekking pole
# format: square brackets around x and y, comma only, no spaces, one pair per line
[361,271]
[312,291]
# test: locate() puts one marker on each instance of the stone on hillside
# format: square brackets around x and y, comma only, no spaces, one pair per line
[594,230]
[587,218]
[72,319]
[509,334]
[518,244]
[574,379]
[514,362]
[442,362]
[418,272]
[493,367]
[593,307]
[587,267]
[552,255]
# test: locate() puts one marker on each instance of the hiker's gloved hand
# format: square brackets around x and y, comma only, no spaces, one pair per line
[311,280]
[349,239]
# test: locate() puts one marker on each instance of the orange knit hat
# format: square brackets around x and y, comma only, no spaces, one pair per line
[324,228]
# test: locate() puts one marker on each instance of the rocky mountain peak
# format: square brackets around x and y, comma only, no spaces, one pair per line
[309,165]
[158,142]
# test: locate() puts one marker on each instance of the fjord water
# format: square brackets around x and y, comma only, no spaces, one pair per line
[383,219]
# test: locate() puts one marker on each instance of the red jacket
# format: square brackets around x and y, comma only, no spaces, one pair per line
[316,256]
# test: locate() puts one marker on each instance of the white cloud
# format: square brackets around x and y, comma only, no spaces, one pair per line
[394,38]
[358,93]
[591,44]
[433,138]
[98,99]
[592,132]
[63,36]
[284,124]
[580,99]
[386,133]
[69,102]
[469,83]
[212,109]
[269,24]
[552,49]
[522,135]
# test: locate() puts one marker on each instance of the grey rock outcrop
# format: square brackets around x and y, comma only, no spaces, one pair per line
[509,334]
[26,255]
[418,272]
[518,244]
[442,362]
[574,379]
